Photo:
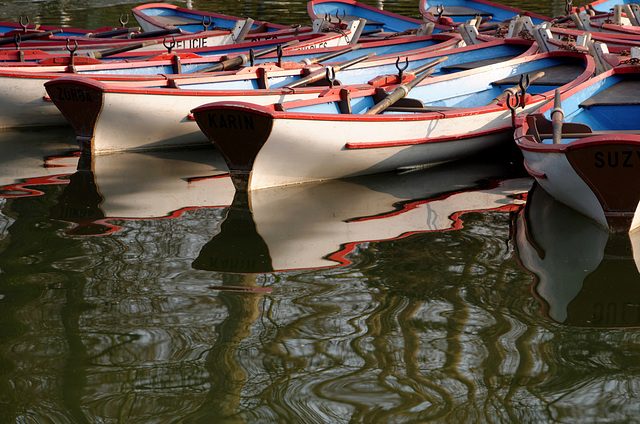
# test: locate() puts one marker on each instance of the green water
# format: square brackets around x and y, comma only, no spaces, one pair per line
[135,288]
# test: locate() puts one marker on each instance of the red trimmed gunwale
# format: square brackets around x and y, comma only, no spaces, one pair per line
[423,10]
[137,12]
[313,16]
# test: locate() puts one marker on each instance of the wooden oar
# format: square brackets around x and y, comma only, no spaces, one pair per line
[113,33]
[318,75]
[514,90]
[421,69]
[557,115]
[331,55]
[400,92]
[121,49]
[241,59]
[30,36]
[158,33]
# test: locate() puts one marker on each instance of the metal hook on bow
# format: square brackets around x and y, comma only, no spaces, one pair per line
[279,53]
[123,23]
[568,6]
[24,26]
[344,15]
[512,107]
[401,70]
[206,24]
[525,81]
[252,57]
[169,46]
[439,10]
[17,39]
[331,76]
[72,52]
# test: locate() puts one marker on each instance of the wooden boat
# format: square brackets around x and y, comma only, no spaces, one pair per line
[603,7]
[584,275]
[454,12]
[109,116]
[378,20]
[448,117]
[9,29]
[160,16]
[137,43]
[144,50]
[264,230]
[584,148]
[24,101]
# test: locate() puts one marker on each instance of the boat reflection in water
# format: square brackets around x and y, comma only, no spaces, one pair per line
[32,158]
[311,226]
[585,275]
[100,190]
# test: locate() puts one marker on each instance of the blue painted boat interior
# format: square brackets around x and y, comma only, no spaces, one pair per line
[608,6]
[363,75]
[467,91]
[211,21]
[463,10]
[375,20]
[602,116]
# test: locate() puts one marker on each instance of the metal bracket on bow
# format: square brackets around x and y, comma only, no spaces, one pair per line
[401,70]
[524,84]
[279,53]
[344,15]
[568,6]
[206,24]
[512,104]
[169,46]
[72,53]
[123,23]
[331,76]
[23,25]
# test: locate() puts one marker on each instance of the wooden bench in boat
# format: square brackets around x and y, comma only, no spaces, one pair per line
[554,75]
[349,18]
[477,63]
[176,20]
[623,93]
[542,129]
[457,11]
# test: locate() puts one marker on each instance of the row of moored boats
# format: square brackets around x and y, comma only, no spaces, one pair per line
[359,91]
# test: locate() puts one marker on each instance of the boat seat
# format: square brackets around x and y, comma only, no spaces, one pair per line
[458,11]
[349,18]
[176,20]
[554,75]
[625,92]
[477,63]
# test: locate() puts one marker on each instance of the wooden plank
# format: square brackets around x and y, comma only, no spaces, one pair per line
[625,92]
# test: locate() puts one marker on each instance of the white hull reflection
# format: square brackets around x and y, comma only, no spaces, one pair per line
[312,226]
[585,276]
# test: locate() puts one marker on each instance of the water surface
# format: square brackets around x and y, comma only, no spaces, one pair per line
[139,288]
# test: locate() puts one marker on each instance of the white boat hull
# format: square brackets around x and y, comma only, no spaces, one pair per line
[298,150]
[24,104]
